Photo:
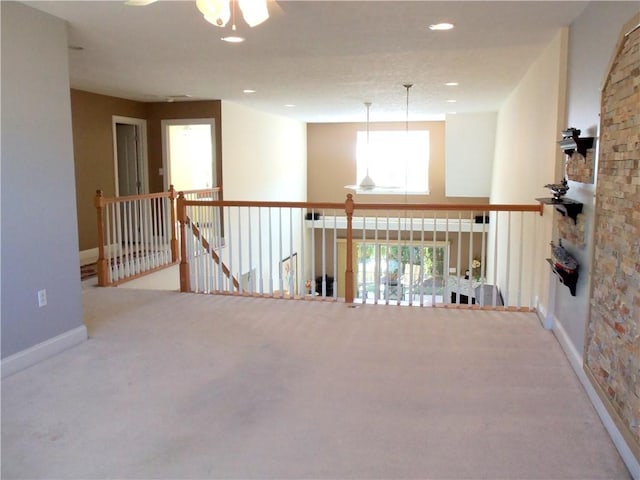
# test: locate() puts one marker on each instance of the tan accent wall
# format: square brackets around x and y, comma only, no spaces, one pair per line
[93,146]
[331,150]
[93,153]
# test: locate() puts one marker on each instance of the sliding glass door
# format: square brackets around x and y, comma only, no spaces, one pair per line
[401,273]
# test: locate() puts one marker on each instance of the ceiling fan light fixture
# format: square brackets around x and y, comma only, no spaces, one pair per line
[232,39]
[216,12]
[254,12]
[441,26]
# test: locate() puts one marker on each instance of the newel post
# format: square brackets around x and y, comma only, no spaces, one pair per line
[348,276]
[174,235]
[103,277]
[185,284]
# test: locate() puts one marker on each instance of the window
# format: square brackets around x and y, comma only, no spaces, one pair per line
[396,160]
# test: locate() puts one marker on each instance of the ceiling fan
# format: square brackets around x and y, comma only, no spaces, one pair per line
[218,12]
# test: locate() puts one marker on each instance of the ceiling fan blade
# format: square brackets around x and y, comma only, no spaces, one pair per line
[275,10]
[139,3]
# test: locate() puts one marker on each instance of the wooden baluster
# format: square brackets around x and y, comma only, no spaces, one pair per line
[348,276]
[102,262]
[185,284]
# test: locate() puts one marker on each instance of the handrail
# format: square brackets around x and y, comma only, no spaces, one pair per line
[202,192]
[488,207]
[245,203]
[345,218]
[216,258]
[130,225]
[142,196]
[184,220]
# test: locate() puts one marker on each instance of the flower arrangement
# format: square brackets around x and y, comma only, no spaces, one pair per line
[475,268]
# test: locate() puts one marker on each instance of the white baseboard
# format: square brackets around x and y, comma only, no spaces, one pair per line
[42,351]
[575,359]
[546,319]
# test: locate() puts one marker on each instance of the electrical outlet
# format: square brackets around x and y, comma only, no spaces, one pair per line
[42,298]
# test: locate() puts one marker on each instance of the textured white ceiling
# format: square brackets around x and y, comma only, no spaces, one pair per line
[325,57]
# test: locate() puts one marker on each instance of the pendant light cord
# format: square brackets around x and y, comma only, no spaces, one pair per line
[406,160]
[368,151]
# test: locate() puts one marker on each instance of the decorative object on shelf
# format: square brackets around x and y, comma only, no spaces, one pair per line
[558,190]
[571,142]
[564,266]
[563,259]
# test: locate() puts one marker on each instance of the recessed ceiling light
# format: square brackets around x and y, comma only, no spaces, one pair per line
[451,101]
[232,39]
[441,26]
[289,105]
[248,90]
[452,84]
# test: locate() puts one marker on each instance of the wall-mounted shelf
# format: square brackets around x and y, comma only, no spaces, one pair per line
[566,207]
[571,142]
[570,280]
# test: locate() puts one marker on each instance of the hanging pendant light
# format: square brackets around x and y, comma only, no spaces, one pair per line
[367,182]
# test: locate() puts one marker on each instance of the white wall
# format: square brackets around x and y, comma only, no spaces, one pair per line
[264,156]
[469,152]
[39,229]
[527,154]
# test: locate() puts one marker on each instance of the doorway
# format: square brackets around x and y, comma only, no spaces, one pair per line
[189,154]
[130,156]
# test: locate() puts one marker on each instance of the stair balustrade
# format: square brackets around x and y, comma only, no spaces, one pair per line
[460,256]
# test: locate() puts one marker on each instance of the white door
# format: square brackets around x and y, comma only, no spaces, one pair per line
[189,154]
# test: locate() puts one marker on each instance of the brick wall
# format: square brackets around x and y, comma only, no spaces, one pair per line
[571,230]
[612,350]
[579,168]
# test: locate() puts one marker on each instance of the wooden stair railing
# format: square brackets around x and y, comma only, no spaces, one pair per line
[116,228]
[184,221]
[155,214]
[216,258]
[350,225]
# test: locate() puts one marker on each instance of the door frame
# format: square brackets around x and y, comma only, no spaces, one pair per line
[141,131]
[166,165]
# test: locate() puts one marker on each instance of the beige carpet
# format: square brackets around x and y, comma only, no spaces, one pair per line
[174,386]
